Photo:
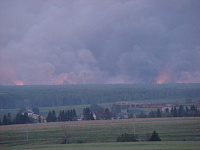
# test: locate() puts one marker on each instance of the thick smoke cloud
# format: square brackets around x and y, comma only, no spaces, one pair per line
[87,42]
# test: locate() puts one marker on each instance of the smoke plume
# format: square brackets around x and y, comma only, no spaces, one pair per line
[94,42]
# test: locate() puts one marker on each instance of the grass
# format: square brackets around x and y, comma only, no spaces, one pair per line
[169,129]
[180,145]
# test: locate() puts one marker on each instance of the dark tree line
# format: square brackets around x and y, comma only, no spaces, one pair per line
[51,96]
[19,119]
[182,111]
[51,117]
[7,120]
[87,114]
[100,112]
[69,115]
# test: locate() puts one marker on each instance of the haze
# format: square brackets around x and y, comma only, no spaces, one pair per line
[99,42]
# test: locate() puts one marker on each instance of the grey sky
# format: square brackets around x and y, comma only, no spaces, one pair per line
[107,41]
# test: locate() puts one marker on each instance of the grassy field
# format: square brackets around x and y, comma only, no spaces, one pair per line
[169,129]
[178,145]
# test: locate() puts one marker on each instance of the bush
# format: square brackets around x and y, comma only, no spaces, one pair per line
[80,141]
[155,137]
[126,138]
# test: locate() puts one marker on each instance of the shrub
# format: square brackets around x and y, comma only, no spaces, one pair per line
[126,138]
[80,141]
[155,137]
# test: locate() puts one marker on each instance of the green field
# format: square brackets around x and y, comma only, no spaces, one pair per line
[169,129]
[180,145]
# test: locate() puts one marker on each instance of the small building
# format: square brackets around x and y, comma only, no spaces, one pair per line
[35,117]
[101,116]
[164,109]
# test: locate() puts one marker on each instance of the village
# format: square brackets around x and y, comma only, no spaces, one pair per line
[118,110]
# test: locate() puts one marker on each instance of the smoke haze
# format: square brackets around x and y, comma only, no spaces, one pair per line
[99,42]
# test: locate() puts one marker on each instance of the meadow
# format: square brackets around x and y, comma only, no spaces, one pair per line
[177,145]
[99,131]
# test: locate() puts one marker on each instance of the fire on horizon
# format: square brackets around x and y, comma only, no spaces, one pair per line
[99,42]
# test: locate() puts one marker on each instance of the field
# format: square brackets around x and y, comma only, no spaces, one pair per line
[169,129]
[178,145]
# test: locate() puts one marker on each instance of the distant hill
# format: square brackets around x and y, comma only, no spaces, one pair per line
[64,95]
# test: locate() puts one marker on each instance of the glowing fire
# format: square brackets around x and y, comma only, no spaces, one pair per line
[162,78]
[18,82]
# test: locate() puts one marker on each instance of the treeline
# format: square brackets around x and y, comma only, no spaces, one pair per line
[51,96]
[19,119]
[69,115]
[87,114]
[182,111]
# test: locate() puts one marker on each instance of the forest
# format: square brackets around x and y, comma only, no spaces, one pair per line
[12,97]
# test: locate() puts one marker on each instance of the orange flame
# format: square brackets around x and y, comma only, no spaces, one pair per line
[18,82]
[162,78]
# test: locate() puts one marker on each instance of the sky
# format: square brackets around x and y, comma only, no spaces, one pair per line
[52,42]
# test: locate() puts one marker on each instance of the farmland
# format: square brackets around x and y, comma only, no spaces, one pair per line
[169,129]
[177,145]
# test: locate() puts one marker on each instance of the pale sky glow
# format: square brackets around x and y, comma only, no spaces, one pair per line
[99,42]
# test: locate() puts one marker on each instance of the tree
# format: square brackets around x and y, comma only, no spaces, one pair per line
[39,119]
[49,117]
[107,114]
[158,113]
[86,114]
[167,110]
[5,120]
[91,117]
[155,137]
[9,119]
[175,113]
[67,135]
[181,111]
[53,116]
[126,138]
[193,111]
[142,115]
[17,119]
[60,116]
[25,118]
[74,115]
[152,114]
[192,108]
[22,119]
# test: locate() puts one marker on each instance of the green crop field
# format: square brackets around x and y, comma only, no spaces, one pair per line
[177,145]
[169,129]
